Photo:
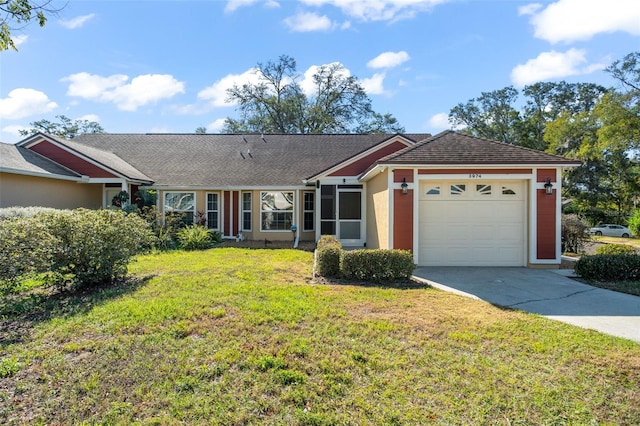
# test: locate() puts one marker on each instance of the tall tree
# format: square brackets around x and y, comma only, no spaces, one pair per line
[16,14]
[334,103]
[65,128]
[491,115]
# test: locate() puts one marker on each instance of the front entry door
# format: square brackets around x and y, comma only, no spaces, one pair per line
[350,217]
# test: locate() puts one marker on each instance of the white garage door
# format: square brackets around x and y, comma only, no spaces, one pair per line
[472,223]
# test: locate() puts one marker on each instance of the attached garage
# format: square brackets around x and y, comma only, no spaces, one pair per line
[457,200]
[472,223]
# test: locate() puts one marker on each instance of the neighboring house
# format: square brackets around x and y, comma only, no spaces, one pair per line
[451,199]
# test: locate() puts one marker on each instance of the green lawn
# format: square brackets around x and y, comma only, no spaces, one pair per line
[239,336]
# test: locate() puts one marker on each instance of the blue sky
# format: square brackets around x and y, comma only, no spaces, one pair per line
[163,66]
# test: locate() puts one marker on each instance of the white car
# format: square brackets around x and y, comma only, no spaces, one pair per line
[610,230]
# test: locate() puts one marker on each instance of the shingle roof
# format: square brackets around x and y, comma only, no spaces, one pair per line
[13,157]
[231,160]
[452,148]
[106,158]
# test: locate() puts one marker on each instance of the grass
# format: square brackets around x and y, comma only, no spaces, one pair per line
[238,336]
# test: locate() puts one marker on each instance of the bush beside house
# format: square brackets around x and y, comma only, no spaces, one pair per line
[378,266]
[80,247]
[609,267]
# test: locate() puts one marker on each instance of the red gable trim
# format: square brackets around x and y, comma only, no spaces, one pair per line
[357,167]
[69,160]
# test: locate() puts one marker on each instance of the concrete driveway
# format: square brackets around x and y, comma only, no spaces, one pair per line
[545,292]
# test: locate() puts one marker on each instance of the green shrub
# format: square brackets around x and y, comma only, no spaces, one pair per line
[379,266]
[23,212]
[95,245]
[164,227]
[197,237]
[609,267]
[616,249]
[27,246]
[328,256]
[634,223]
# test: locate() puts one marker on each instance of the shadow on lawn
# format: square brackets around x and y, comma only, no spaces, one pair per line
[398,285]
[19,313]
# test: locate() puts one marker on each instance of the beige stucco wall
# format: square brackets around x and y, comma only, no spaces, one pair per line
[378,211]
[26,191]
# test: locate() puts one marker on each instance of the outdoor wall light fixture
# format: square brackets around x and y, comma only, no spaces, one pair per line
[404,186]
[548,187]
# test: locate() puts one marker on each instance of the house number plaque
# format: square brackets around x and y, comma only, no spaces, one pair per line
[475,176]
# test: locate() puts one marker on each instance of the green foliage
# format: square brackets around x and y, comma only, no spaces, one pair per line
[277,103]
[380,266]
[82,247]
[328,252]
[197,237]
[27,246]
[8,367]
[616,249]
[21,212]
[16,14]
[66,128]
[96,245]
[164,227]
[609,267]
[634,222]
[573,233]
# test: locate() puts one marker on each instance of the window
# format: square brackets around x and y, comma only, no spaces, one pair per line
[508,191]
[308,216]
[246,211]
[434,191]
[180,203]
[276,210]
[483,189]
[458,189]
[213,210]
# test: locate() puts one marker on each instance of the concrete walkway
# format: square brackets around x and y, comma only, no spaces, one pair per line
[546,292]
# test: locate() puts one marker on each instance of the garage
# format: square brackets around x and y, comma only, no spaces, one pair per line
[472,223]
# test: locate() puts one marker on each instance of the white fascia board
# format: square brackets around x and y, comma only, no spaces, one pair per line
[395,138]
[43,174]
[227,188]
[477,166]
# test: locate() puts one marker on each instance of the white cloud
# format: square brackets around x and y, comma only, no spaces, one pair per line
[389,60]
[379,10]
[12,131]
[308,22]
[529,9]
[90,117]
[77,22]
[217,92]
[20,39]
[216,125]
[142,90]
[23,102]
[374,85]
[439,122]
[573,20]
[233,5]
[550,65]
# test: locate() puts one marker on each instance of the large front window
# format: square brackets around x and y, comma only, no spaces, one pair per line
[182,204]
[276,209]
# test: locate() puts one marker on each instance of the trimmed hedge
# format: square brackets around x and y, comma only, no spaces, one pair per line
[328,252]
[616,249]
[609,267]
[377,265]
